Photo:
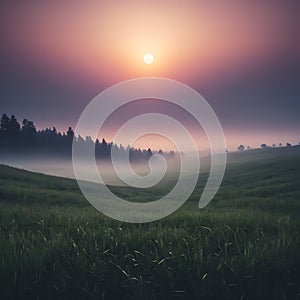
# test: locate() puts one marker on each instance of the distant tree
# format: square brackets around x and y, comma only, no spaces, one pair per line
[288,145]
[280,144]
[273,145]
[241,148]
[149,152]
[70,133]
[248,147]
[10,131]
[89,140]
[28,128]
[104,149]
[28,134]
[4,134]
[13,126]
[68,141]
[264,146]
[80,139]
[4,125]
[104,143]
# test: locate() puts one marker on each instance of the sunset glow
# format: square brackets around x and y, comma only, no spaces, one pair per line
[70,36]
[234,53]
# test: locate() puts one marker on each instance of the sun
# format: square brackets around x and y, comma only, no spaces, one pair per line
[148,58]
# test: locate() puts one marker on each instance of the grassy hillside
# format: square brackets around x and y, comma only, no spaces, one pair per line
[244,245]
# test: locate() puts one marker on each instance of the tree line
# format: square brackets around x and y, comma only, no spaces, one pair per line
[264,146]
[23,139]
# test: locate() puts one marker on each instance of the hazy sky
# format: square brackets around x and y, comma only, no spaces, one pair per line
[242,56]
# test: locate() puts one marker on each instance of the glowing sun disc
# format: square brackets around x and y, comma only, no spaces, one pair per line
[148,58]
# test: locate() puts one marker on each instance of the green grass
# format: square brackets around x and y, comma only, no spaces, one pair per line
[244,245]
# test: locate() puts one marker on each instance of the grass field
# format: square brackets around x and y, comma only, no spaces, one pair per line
[244,245]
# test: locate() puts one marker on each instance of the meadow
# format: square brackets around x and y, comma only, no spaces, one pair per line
[244,245]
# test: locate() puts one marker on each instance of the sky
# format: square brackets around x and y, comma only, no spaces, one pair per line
[242,56]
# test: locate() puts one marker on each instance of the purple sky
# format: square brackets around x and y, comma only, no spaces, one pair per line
[242,56]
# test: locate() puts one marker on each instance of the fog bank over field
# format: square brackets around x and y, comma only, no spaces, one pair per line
[63,167]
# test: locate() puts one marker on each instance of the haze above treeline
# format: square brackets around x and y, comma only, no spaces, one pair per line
[25,138]
[19,139]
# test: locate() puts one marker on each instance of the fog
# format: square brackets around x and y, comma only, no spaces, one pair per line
[64,168]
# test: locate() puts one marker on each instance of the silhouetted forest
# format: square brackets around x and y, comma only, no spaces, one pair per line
[26,139]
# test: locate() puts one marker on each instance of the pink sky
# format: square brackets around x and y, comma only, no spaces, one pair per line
[58,55]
